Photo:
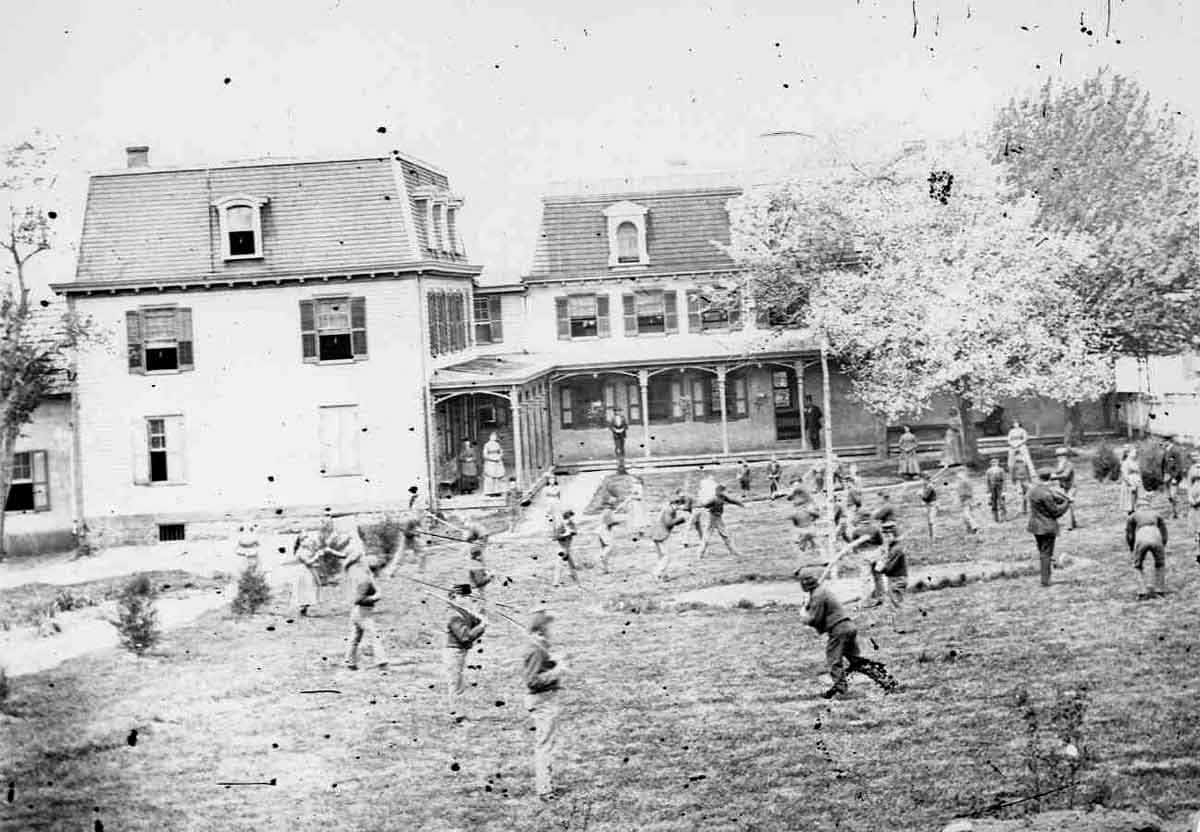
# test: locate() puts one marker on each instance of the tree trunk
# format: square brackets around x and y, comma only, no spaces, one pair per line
[1072,424]
[966,427]
[827,399]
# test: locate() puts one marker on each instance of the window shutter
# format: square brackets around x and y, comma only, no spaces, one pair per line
[431,325]
[140,436]
[567,412]
[671,313]
[183,326]
[698,398]
[629,308]
[358,327]
[735,313]
[176,468]
[693,310]
[494,319]
[308,331]
[133,334]
[676,400]
[41,482]
[564,323]
[603,330]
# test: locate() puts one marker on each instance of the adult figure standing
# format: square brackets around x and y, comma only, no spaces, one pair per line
[1046,505]
[1064,476]
[468,468]
[1146,534]
[952,447]
[618,426]
[306,583]
[814,418]
[1174,465]
[493,466]
[1131,479]
[909,466]
[1018,445]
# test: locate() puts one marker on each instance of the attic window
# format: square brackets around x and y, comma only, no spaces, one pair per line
[240,220]
[626,234]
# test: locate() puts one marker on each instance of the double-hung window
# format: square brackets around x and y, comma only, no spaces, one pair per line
[159,339]
[158,455]
[333,329]
[582,316]
[28,488]
[240,221]
[706,314]
[488,326]
[650,312]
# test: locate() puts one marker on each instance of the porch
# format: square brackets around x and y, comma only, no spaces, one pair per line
[506,396]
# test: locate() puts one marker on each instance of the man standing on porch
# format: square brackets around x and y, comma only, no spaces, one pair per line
[813,418]
[618,426]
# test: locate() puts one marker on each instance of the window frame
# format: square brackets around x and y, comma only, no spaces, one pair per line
[346,468]
[310,337]
[632,319]
[138,345]
[255,204]
[39,499]
[617,215]
[491,323]
[698,306]
[173,447]
[565,322]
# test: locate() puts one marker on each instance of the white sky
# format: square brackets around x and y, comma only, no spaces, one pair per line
[507,100]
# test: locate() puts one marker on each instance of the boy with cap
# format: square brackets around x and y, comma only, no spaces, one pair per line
[744,477]
[364,595]
[543,674]
[825,614]
[890,570]
[564,535]
[478,575]
[994,478]
[716,521]
[1064,477]
[803,518]
[463,631]
[1146,534]
[1046,505]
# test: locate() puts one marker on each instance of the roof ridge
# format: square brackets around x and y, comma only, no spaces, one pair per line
[274,161]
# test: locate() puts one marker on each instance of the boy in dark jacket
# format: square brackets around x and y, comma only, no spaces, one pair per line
[995,485]
[564,535]
[890,570]
[774,475]
[363,594]
[744,478]
[543,675]
[1046,505]
[1146,534]
[660,534]
[825,614]
[716,521]
[467,623]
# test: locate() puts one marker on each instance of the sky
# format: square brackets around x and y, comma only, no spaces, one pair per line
[507,99]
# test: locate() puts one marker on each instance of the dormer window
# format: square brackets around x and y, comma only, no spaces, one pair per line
[240,220]
[626,234]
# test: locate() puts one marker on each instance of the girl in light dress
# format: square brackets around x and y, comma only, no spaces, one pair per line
[635,507]
[552,492]
[1131,479]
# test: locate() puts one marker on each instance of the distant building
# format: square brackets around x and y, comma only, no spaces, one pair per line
[1160,396]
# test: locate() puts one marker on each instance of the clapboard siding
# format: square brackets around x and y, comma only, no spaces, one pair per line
[681,229]
[344,215]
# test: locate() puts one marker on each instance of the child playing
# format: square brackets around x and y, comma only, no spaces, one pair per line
[512,502]
[410,543]
[929,501]
[743,478]
[564,534]
[463,631]
[825,614]
[995,486]
[966,500]
[478,575]
[363,595]
[608,520]
[716,521]
[774,475]
[668,519]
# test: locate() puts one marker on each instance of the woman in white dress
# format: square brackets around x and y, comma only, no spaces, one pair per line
[494,474]
[306,586]
[552,492]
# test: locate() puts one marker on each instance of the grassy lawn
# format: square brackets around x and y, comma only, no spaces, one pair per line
[704,719]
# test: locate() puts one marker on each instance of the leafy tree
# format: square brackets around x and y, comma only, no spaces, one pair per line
[1103,161]
[253,591]
[34,347]
[137,615]
[923,283]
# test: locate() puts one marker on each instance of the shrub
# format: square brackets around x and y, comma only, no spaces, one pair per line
[1106,466]
[66,600]
[137,617]
[1150,460]
[252,591]
[3,685]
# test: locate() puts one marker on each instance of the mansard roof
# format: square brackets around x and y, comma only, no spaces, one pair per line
[685,219]
[327,215]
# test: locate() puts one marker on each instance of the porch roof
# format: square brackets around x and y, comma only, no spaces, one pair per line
[488,371]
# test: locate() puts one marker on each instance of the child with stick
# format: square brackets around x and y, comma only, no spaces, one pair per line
[564,534]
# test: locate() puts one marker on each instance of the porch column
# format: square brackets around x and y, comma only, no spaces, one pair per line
[721,371]
[644,384]
[799,365]
[514,398]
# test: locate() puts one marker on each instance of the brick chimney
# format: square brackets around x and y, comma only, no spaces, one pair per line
[137,156]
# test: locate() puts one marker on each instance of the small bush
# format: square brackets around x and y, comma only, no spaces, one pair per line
[744,604]
[66,601]
[3,685]
[1106,465]
[252,592]
[137,617]
[1150,460]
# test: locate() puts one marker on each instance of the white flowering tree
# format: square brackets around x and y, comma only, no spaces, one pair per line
[924,282]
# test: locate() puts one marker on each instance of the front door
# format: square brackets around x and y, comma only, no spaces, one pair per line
[787,403]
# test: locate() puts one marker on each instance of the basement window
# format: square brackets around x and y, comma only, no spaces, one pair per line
[170,532]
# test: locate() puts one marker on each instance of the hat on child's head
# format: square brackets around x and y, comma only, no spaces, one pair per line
[810,575]
[539,619]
